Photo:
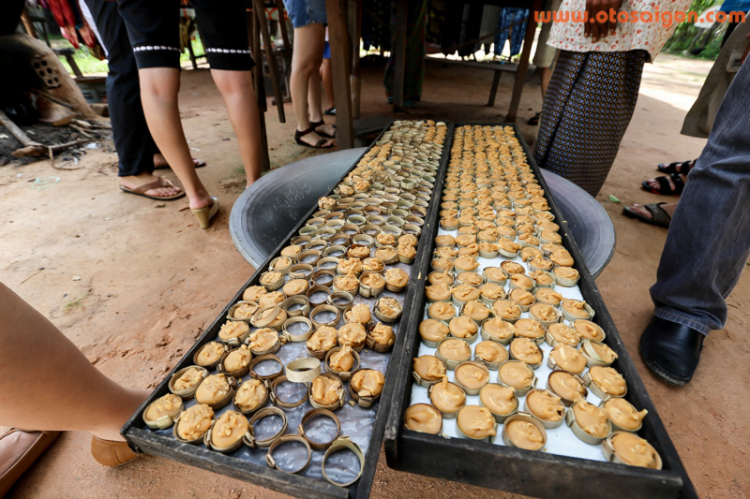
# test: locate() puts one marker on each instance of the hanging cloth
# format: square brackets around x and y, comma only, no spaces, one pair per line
[515,33]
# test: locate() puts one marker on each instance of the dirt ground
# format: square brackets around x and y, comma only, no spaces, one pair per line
[133,282]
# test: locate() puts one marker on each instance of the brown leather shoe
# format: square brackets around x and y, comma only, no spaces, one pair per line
[111,453]
[18,451]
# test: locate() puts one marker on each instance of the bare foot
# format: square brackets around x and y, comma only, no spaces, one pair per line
[135,181]
[200,200]
[161,162]
[313,139]
[645,212]
[654,184]
[326,129]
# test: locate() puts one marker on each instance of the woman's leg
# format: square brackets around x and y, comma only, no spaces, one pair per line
[306,58]
[154,35]
[236,88]
[326,74]
[315,104]
[159,88]
[315,96]
[133,142]
[223,31]
[43,369]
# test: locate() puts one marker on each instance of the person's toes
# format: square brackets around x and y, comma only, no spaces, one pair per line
[313,138]
[641,210]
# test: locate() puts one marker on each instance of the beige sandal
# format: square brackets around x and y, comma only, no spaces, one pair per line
[111,453]
[205,214]
[156,184]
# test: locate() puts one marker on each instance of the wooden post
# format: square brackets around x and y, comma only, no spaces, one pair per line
[273,68]
[284,33]
[287,47]
[191,53]
[355,30]
[338,37]
[493,90]
[523,65]
[260,91]
[27,24]
[399,50]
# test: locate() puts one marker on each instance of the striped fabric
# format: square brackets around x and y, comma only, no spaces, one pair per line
[588,106]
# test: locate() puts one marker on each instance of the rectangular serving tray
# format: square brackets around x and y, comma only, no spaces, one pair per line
[538,474]
[146,440]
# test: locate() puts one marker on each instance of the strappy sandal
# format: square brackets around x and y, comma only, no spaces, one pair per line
[318,145]
[684,167]
[315,126]
[198,163]
[664,187]
[659,217]
[156,184]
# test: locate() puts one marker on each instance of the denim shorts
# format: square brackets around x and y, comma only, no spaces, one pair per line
[306,12]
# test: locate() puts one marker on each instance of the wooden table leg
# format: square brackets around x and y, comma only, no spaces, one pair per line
[260,91]
[493,90]
[355,32]
[523,65]
[272,66]
[338,37]
[284,33]
[191,53]
[76,70]
[287,47]
[399,49]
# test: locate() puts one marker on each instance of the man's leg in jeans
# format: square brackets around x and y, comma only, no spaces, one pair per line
[708,242]
[133,142]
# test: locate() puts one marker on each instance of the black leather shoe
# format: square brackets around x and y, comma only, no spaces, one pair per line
[671,350]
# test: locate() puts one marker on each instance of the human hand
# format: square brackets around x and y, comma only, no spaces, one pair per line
[595,29]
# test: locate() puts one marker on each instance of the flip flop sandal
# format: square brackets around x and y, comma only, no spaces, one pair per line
[318,145]
[198,163]
[684,167]
[664,187]
[659,217]
[315,126]
[141,190]
[534,120]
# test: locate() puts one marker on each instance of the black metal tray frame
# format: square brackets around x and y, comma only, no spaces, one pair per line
[153,443]
[537,474]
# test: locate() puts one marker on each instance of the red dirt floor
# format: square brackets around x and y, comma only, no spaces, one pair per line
[133,282]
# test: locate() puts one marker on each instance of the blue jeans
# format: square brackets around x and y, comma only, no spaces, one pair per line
[306,12]
[708,243]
